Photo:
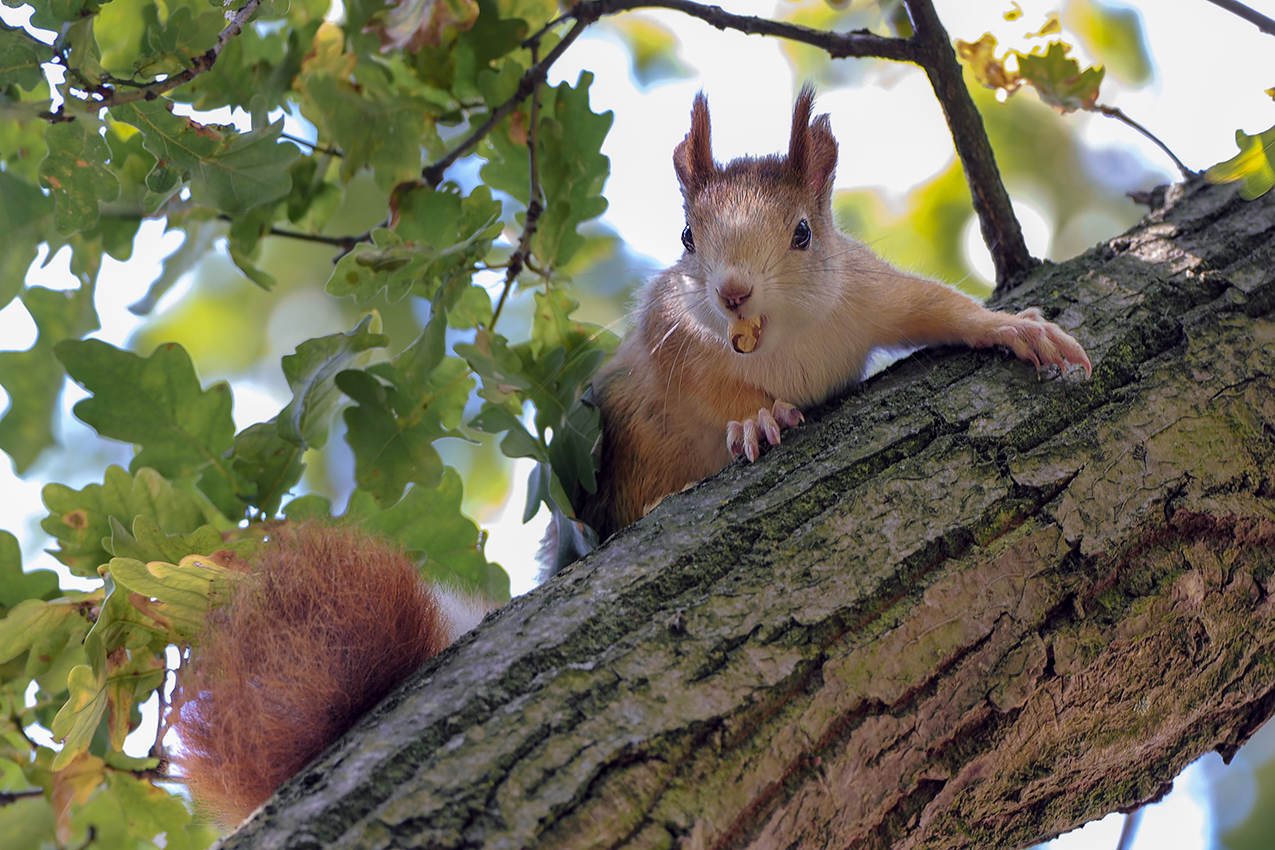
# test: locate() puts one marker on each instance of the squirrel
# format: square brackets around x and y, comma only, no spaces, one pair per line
[326,621]
[771,309]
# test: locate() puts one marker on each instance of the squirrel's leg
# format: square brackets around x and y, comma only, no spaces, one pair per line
[1035,340]
[921,312]
[744,438]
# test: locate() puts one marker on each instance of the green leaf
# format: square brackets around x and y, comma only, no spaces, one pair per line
[149,542]
[311,374]
[439,238]
[81,519]
[384,133]
[155,402]
[75,171]
[402,408]
[34,378]
[1058,79]
[16,585]
[518,442]
[176,596]
[42,626]
[130,680]
[387,264]
[21,57]
[429,521]
[500,368]
[270,463]
[1254,164]
[188,32]
[79,718]
[230,171]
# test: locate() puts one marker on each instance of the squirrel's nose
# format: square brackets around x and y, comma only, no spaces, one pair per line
[734,293]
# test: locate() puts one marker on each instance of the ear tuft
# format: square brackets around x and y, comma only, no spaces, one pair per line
[693,157]
[812,150]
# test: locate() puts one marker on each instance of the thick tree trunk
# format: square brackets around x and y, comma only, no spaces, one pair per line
[959,608]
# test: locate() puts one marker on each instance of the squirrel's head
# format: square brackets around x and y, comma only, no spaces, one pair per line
[759,229]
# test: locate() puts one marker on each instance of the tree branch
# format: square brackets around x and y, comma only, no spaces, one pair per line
[534,204]
[957,609]
[1256,18]
[858,44]
[1001,231]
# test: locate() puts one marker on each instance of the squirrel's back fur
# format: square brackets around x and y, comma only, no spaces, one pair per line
[325,623]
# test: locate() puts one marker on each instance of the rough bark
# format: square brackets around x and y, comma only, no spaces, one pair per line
[959,608]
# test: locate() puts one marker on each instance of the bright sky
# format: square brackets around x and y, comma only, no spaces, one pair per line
[1211,68]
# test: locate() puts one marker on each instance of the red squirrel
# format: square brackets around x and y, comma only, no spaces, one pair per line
[326,621]
[770,310]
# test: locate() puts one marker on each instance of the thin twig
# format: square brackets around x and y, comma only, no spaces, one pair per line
[345,243]
[859,44]
[534,205]
[317,148]
[1114,112]
[8,797]
[199,64]
[1259,20]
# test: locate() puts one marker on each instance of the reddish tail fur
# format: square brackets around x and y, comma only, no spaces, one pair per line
[327,622]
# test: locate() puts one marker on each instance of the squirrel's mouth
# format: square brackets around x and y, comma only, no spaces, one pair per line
[745,334]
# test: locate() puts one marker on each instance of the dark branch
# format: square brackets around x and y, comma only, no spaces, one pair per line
[534,205]
[9,797]
[859,44]
[345,243]
[1001,232]
[1259,20]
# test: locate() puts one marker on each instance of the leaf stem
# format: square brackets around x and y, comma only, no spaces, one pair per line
[1114,112]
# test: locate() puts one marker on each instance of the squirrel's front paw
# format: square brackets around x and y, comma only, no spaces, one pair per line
[743,439]
[1042,343]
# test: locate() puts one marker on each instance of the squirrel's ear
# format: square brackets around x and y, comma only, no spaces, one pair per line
[812,151]
[693,157]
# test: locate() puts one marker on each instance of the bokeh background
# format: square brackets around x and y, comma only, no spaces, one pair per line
[1189,71]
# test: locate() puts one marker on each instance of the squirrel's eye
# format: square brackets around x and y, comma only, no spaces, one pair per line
[800,236]
[688,240]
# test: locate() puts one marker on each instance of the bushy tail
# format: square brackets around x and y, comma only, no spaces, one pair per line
[326,623]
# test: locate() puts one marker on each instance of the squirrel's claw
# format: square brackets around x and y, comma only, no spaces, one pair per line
[744,439]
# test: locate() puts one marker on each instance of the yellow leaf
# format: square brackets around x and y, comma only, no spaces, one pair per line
[72,785]
[1052,26]
[987,69]
[1253,164]
[327,53]
[77,720]
[1014,13]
